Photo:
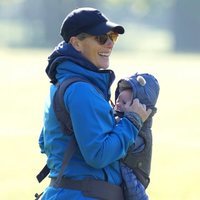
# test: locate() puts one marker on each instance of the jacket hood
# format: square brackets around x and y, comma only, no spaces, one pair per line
[63,52]
[145,87]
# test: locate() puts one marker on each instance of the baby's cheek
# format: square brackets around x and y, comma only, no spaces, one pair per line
[119,108]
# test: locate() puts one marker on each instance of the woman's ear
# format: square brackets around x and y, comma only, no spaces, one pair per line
[75,42]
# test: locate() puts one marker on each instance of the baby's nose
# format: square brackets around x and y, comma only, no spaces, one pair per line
[118,107]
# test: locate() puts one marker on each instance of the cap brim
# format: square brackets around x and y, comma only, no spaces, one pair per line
[115,27]
[105,27]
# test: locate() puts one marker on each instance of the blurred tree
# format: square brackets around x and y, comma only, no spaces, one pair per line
[186,25]
[39,21]
[52,14]
[45,18]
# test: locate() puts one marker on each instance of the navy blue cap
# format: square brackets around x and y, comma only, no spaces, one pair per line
[145,87]
[87,20]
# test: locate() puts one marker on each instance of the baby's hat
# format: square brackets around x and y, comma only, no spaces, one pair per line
[145,87]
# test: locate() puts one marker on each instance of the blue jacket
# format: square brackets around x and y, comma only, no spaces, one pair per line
[101,142]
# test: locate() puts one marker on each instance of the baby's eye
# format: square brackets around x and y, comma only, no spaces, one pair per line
[124,102]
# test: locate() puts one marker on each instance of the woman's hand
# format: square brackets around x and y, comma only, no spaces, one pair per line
[137,107]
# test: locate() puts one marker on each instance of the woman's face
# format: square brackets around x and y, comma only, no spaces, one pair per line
[96,53]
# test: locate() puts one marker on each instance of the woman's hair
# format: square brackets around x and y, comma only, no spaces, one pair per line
[82,36]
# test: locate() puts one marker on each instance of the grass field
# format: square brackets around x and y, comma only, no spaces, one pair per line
[175,166]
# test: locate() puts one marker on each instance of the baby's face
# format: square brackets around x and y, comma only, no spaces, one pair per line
[123,98]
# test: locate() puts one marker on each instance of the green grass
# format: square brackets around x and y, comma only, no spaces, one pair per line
[175,166]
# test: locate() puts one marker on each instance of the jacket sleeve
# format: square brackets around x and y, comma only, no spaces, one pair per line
[100,140]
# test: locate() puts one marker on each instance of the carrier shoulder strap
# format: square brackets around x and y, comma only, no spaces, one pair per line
[59,105]
[64,118]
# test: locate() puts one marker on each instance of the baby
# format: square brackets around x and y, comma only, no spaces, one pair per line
[135,166]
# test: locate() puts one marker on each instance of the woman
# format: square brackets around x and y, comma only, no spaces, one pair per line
[88,41]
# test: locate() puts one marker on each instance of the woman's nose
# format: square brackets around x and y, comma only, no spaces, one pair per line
[109,43]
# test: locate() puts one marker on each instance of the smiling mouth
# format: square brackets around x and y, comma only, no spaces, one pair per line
[104,54]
